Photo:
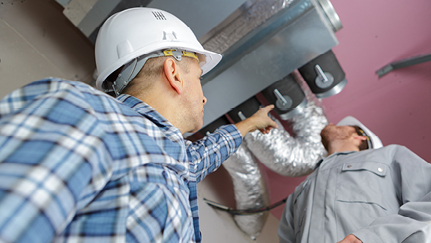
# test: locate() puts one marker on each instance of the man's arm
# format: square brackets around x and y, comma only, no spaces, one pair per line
[208,153]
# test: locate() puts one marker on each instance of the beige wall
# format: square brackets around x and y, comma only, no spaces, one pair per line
[218,226]
[38,41]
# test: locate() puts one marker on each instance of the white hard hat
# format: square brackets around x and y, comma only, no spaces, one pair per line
[134,32]
[373,142]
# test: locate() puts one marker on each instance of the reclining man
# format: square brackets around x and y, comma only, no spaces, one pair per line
[361,192]
[77,165]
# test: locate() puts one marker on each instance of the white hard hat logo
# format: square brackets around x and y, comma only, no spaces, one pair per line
[169,36]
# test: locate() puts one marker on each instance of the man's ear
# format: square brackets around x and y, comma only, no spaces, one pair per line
[173,74]
[362,138]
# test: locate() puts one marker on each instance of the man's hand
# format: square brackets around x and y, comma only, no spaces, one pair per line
[258,120]
[350,239]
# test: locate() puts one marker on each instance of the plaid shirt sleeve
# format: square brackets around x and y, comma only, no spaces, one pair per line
[208,153]
[46,142]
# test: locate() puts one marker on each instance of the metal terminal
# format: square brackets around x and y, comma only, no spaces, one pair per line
[320,73]
[323,79]
[283,102]
[241,116]
[280,97]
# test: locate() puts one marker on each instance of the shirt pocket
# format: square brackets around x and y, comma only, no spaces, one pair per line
[362,183]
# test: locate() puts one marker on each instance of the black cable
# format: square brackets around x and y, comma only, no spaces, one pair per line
[243,211]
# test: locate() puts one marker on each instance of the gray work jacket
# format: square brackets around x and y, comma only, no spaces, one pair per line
[380,195]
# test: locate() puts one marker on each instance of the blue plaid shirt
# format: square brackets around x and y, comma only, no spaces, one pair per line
[77,165]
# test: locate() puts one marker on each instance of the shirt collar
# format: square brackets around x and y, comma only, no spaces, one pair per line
[333,155]
[149,112]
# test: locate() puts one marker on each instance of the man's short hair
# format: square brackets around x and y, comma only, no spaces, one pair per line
[152,68]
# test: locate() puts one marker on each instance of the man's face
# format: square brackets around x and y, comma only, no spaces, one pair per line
[194,99]
[332,132]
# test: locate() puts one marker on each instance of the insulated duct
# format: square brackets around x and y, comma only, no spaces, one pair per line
[249,184]
[250,189]
[292,155]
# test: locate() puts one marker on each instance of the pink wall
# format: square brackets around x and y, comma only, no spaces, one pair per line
[396,106]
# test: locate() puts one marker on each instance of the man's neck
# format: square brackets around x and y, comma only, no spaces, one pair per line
[163,102]
[341,147]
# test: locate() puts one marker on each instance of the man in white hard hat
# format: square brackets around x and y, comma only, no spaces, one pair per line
[362,192]
[77,165]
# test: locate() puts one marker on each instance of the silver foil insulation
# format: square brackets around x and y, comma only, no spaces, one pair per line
[250,190]
[289,155]
[284,154]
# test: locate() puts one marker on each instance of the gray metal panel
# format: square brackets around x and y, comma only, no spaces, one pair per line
[202,15]
[301,41]
[249,41]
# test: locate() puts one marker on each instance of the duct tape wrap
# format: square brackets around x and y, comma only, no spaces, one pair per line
[250,190]
[288,155]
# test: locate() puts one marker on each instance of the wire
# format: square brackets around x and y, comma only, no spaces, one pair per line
[243,211]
